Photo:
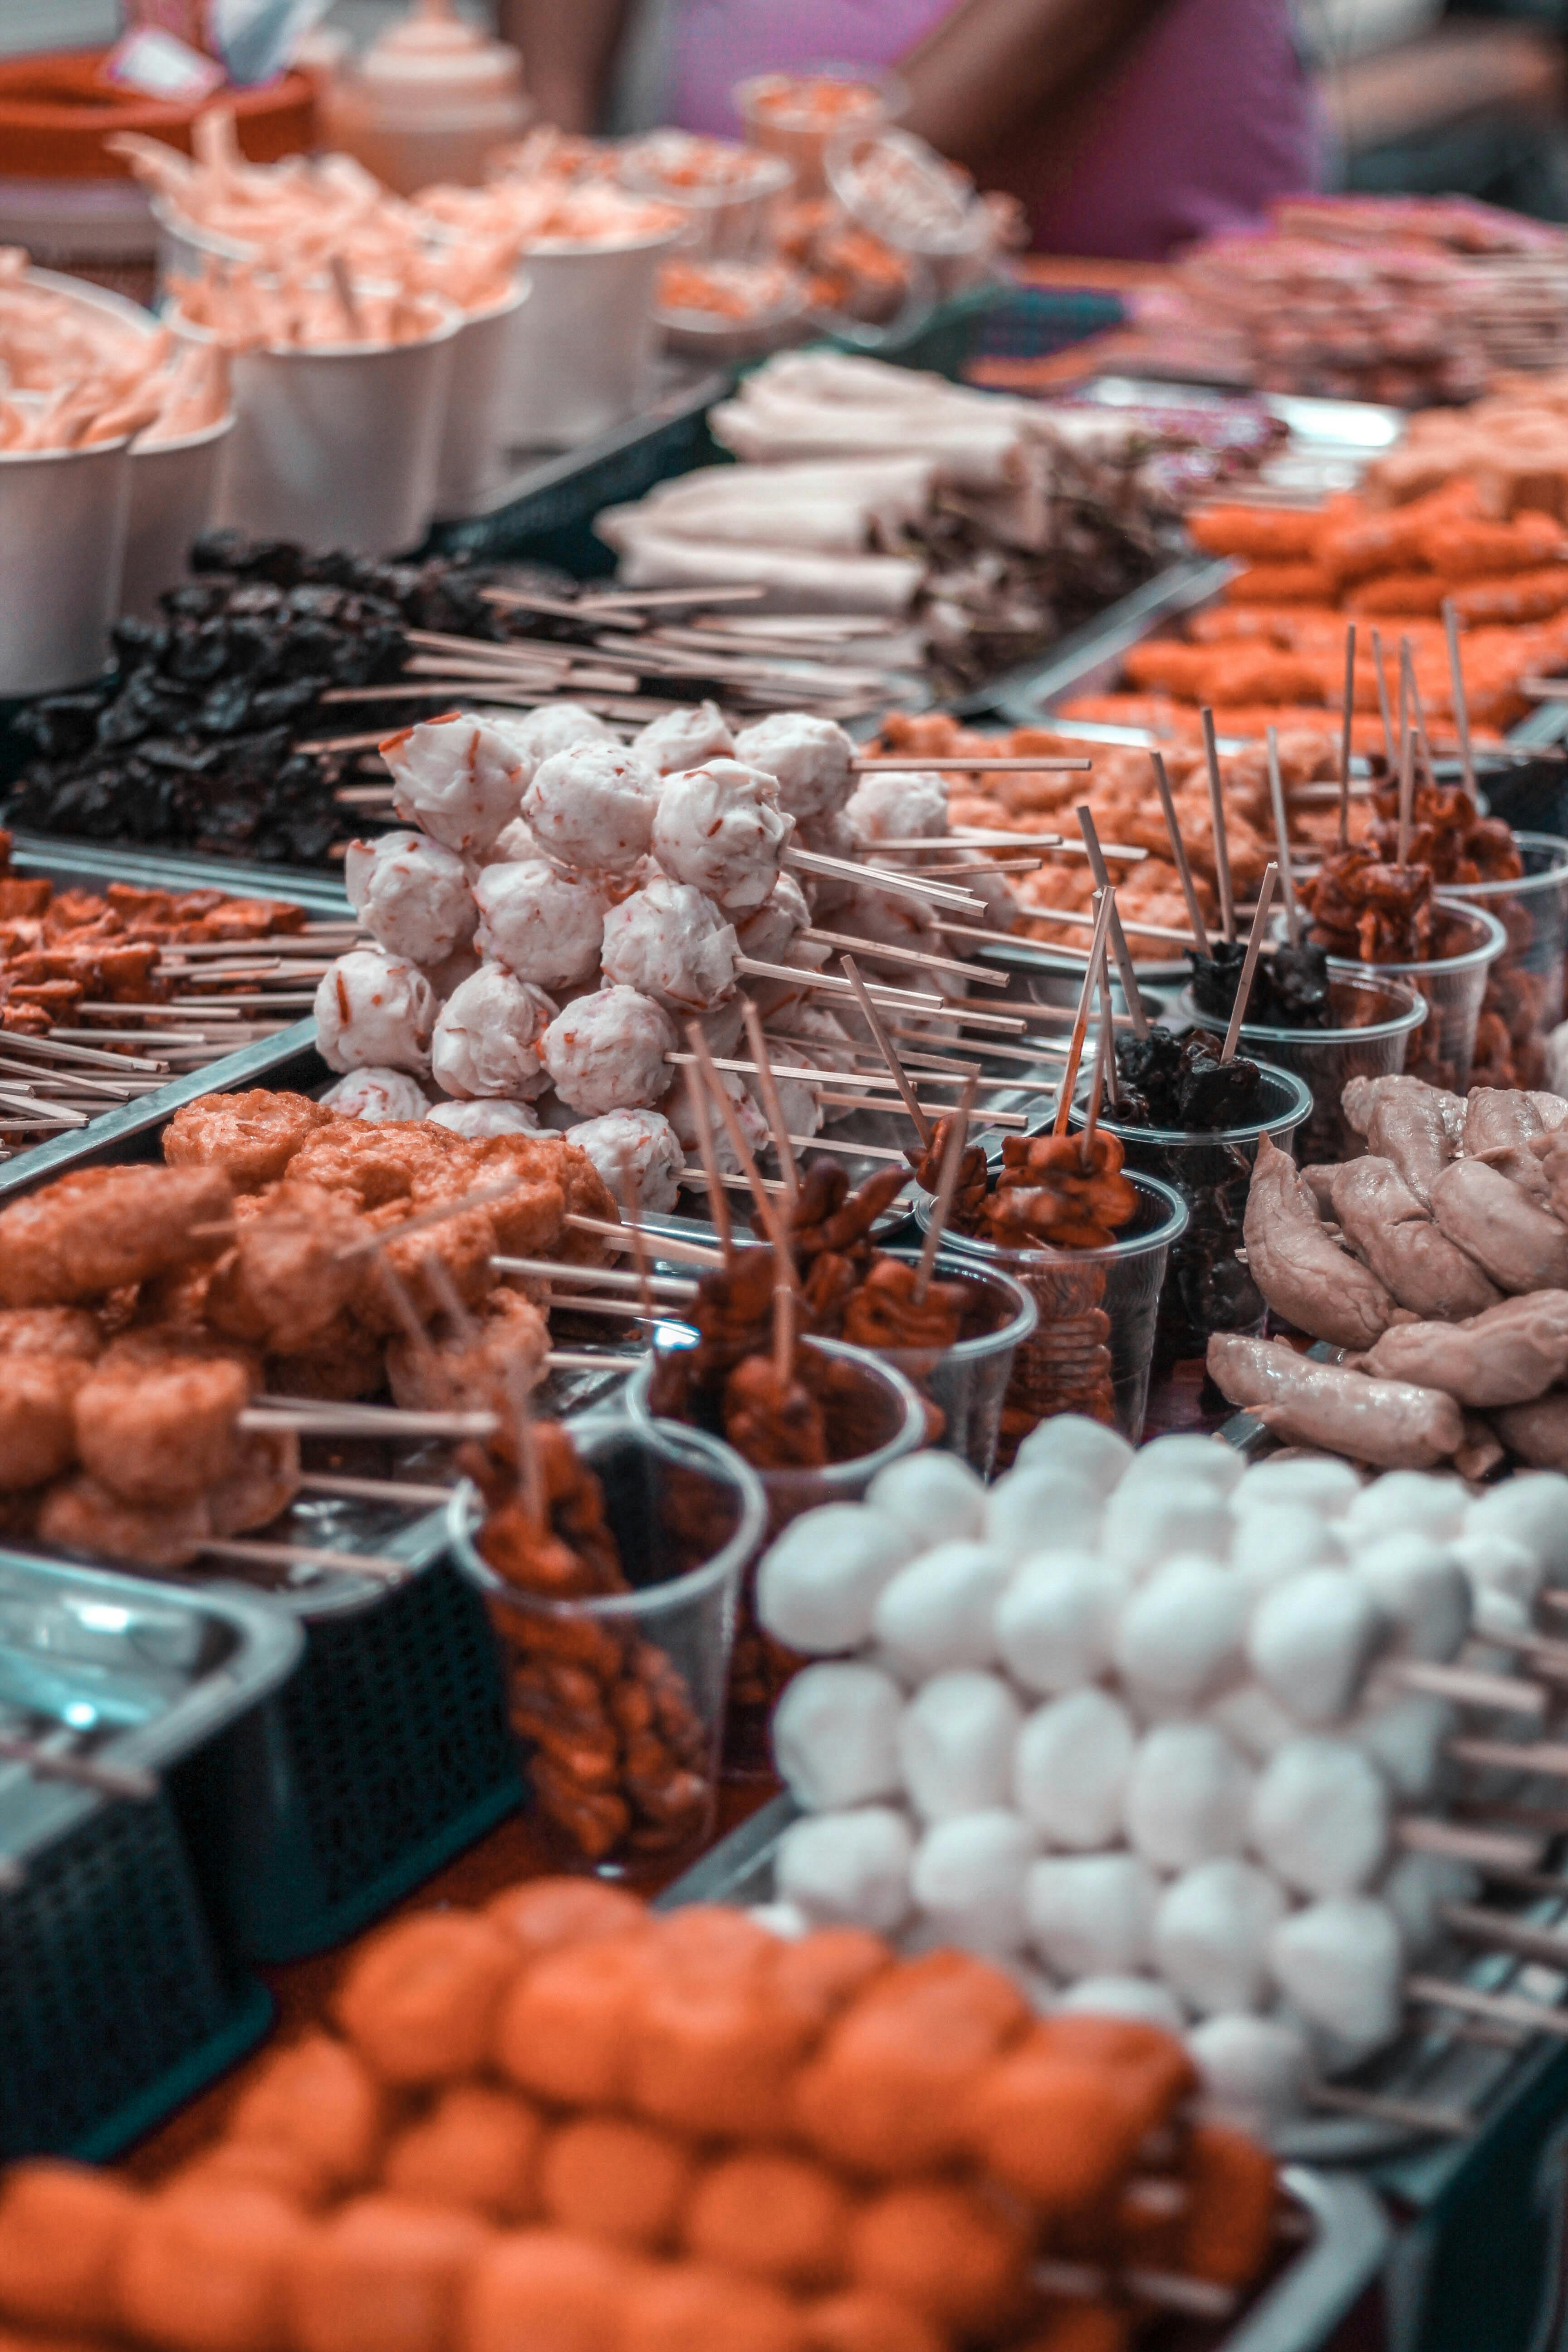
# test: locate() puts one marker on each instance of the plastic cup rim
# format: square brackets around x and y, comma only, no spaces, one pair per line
[771,174]
[1553,875]
[1169,1231]
[1488,948]
[862,1467]
[1246,1131]
[1011,1334]
[143,447]
[1404,1024]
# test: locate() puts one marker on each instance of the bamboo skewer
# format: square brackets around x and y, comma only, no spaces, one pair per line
[883,877]
[287,1555]
[679,1252]
[946,1186]
[1179,852]
[886,1047]
[772,1104]
[1344,833]
[772,1224]
[1407,795]
[1249,964]
[1456,690]
[1105,907]
[1383,705]
[1408,664]
[1282,842]
[1014,764]
[1125,967]
[718,1206]
[921,957]
[1217,818]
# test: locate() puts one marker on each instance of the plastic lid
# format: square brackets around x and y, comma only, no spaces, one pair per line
[432,56]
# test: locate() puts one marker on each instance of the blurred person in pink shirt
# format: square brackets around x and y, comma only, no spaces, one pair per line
[1126,128]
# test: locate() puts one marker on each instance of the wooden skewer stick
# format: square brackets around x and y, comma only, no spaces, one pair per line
[1179,852]
[772,1224]
[1013,763]
[47,1763]
[1383,705]
[1502,2008]
[1416,2114]
[886,1047]
[1282,842]
[679,1252]
[608,1277]
[1105,906]
[1102,983]
[1479,1925]
[1507,1693]
[1407,795]
[894,999]
[890,1109]
[702,1123]
[1119,948]
[946,1186]
[1216,817]
[1249,963]
[50,1049]
[768,1086]
[1407,662]
[287,1555]
[919,956]
[1107,1047]
[784,1281]
[1344,834]
[270,1412]
[884,877]
[373,1490]
[1456,690]
[971,836]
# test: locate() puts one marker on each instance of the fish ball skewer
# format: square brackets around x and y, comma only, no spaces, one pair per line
[687,737]
[606,1052]
[488,1037]
[412,896]
[721,828]
[638,1154]
[673,943]
[590,808]
[540,924]
[375,1011]
[457,778]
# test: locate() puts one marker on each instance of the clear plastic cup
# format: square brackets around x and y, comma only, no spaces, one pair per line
[967,1382]
[729,217]
[1524,998]
[1092,1348]
[1206,1288]
[1441,1051]
[782,112]
[1375,1020]
[618,1702]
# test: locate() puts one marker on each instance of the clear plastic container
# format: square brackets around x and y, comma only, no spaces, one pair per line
[773,301]
[1374,1022]
[1094,1343]
[620,1701]
[967,1382]
[1441,1051]
[800,115]
[730,212]
[1524,998]
[1206,1288]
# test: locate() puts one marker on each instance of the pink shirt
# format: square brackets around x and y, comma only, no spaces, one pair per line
[1208,118]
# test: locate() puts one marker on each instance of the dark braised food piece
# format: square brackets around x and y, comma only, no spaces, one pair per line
[1289,987]
[1369,910]
[1182,1083]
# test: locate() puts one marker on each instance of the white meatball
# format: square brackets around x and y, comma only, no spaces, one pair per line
[769,932]
[1070,1441]
[1091,1914]
[1415,1889]
[1037,1509]
[1421,1589]
[1185,1454]
[457,777]
[1339,1962]
[478,1120]
[819,1585]
[1187,1797]
[1150,1522]
[899,804]
[810,757]
[514,845]
[1532,1507]
[550,728]
[1404,1737]
[1276,1541]
[1501,1563]
[754,1130]
[638,1154]
[412,896]
[376,1094]
[720,826]
[684,738]
[1070,1768]
[968,1880]
[541,924]
[606,1052]
[1056,1623]
[591,807]
[1142,1998]
[891,920]
[1321,1816]
[939,1611]
[1310,1642]
[670,941]
[1253,1719]
[1499,1617]
[375,1012]
[956,1742]
[1180,1635]
[848,1870]
[1406,1502]
[488,1037]
[1255,2072]
[1211,1932]
[835,1736]
[936,1495]
[447,977]
[1322,1486]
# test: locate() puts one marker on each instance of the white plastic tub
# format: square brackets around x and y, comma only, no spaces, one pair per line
[63,515]
[583,346]
[173,486]
[477,432]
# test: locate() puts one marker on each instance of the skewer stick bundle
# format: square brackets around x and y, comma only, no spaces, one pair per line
[1125,967]
[886,1047]
[1383,709]
[1179,852]
[947,1185]
[1345,737]
[1105,906]
[1249,964]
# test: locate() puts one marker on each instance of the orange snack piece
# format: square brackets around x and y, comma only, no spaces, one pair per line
[708,1940]
[1281,584]
[287,2172]
[860,2320]
[1400,593]
[944,2249]
[821,1973]
[543,1914]
[1081,2327]
[779,2217]
[1230,2218]
[383,2272]
[1271,534]
[1150,2068]
[1466,549]
[716,2057]
[547,2291]
[606,2176]
[565,2029]
[62,2229]
[420,2001]
[322,2103]
[678,2307]
[1057,2131]
[207,2268]
[477,2147]
[1518,596]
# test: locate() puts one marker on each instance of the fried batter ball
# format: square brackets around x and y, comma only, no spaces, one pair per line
[62,2227]
[37,1418]
[477,2147]
[609,2178]
[161,1433]
[263,1482]
[419,2001]
[251,1135]
[100,1228]
[384,2272]
[88,1519]
[485,1369]
[293,1267]
[206,2268]
[318,2099]
[375,1164]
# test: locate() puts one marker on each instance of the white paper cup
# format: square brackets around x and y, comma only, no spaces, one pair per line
[63,514]
[173,485]
[474,438]
[183,245]
[583,344]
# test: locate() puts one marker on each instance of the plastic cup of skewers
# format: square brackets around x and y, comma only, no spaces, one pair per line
[1524,994]
[1206,1288]
[1092,1349]
[617,1697]
[1373,1023]
[1453,984]
[967,1380]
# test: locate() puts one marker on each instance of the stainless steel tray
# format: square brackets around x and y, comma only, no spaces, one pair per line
[93,864]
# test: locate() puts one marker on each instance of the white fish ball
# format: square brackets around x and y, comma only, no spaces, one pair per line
[1502,1562]
[1255,2071]
[849,1870]
[1499,1617]
[1315,1484]
[1406,1502]
[480,1121]
[1321,1816]
[939,1610]
[819,1585]
[936,1495]
[1403,1736]
[1279,1541]
[376,1094]
[1421,1589]
[1070,1441]
[1211,1934]
[1151,1521]
[1340,1963]
[955,1744]
[1181,1634]
[1417,1887]
[1532,1507]
[1185,1454]
[968,1879]
[1042,1508]
[1091,1914]
[1187,1797]
[1071,1767]
[835,1736]
[1253,1720]
[1144,1998]
[1056,1622]
[1312,1640]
